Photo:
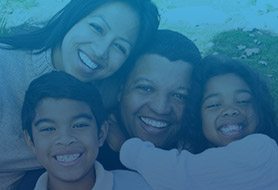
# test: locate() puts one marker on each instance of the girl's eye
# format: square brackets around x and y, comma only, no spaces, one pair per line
[121,48]
[244,102]
[80,125]
[212,106]
[97,28]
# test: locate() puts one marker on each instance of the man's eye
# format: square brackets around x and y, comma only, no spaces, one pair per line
[179,96]
[121,48]
[97,28]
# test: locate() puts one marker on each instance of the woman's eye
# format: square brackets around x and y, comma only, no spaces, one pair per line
[144,88]
[97,28]
[121,48]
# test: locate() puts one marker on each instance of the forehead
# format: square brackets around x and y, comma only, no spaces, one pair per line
[120,17]
[160,70]
[226,82]
[61,108]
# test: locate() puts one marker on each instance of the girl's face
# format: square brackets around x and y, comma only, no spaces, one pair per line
[227,110]
[153,99]
[98,45]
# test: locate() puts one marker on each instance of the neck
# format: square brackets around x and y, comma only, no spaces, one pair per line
[56,58]
[115,136]
[86,182]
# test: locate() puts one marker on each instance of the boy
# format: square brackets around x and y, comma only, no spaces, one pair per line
[64,124]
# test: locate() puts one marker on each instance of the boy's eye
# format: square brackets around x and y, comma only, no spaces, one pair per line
[80,125]
[97,28]
[47,129]
[121,48]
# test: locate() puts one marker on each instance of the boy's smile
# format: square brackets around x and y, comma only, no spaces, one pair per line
[66,139]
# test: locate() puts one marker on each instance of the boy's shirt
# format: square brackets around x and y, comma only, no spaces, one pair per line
[250,164]
[107,180]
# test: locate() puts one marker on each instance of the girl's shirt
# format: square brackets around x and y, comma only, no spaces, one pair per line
[247,164]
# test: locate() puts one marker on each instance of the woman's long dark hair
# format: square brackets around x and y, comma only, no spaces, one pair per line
[53,33]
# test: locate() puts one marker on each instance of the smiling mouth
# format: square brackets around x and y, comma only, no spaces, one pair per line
[67,158]
[231,129]
[87,61]
[154,123]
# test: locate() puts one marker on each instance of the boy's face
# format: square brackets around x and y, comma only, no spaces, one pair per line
[153,99]
[227,110]
[66,139]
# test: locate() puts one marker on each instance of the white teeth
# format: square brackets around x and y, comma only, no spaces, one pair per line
[231,129]
[87,61]
[67,157]
[154,123]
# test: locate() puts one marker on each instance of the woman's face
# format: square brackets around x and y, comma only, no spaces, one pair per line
[153,99]
[227,110]
[98,45]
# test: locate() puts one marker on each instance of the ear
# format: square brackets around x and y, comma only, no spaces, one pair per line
[29,141]
[102,134]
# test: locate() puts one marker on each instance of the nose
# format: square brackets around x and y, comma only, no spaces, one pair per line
[65,138]
[160,104]
[230,111]
[101,48]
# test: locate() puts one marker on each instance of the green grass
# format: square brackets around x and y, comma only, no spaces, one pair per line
[240,44]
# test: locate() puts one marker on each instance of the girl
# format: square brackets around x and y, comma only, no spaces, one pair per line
[231,103]
[89,39]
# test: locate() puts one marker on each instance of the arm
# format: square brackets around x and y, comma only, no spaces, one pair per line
[250,163]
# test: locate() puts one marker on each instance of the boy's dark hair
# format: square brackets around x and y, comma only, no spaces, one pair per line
[215,65]
[60,85]
[173,46]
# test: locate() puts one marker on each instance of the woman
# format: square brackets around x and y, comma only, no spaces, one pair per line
[89,39]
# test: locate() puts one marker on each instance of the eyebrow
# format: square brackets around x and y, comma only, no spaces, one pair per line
[217,94]
[210,96]
[84,115]
[79,116]
[43,120]
[108,26]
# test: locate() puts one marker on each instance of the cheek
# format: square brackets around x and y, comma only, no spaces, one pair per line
[208,121]
[131,101]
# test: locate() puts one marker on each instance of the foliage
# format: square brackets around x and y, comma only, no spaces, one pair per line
[256,48]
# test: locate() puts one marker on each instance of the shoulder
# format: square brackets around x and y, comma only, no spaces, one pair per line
[256,141]
[124,180]
[259,149]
